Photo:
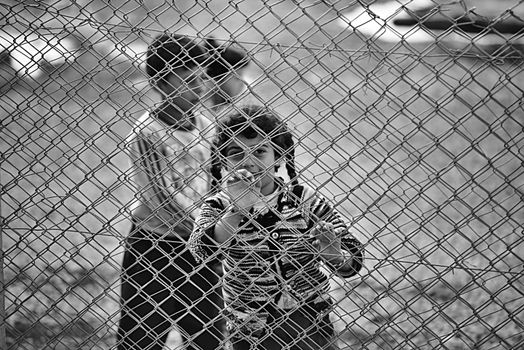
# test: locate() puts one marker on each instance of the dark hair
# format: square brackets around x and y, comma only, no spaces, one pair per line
[223,59]
[251,121]
[172,51]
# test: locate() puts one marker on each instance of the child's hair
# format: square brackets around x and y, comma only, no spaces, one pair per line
[171,51]
[224,59]
[251,121]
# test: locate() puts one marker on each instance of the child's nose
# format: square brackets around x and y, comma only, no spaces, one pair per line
[249,161]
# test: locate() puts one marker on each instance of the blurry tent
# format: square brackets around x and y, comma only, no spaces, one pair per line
[453,15]
[457,28]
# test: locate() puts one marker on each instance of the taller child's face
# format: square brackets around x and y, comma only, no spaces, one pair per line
[183,87]
[257,156]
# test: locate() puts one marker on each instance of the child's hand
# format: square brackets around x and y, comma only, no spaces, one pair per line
[243,189]
[327,241]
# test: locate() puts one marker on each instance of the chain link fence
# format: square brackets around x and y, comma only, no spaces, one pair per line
[407,115]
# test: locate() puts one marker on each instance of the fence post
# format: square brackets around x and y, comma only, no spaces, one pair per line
[3,318]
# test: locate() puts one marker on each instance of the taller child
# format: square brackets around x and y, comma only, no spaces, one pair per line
[162,284]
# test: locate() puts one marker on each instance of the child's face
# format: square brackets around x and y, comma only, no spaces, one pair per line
[257,156]
[183,87]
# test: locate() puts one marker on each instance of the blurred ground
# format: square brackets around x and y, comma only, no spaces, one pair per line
[417,144]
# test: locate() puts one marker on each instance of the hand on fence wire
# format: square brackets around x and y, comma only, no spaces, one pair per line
[243,189]
[327,241]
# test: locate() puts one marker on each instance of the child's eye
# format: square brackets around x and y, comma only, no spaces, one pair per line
[260,151]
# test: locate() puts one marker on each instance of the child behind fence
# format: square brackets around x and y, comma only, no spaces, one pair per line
[162,284]
[272,236]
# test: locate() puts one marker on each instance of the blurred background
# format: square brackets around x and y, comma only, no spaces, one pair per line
[408,114]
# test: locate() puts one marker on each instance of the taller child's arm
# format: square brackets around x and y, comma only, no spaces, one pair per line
[168,181]
[148,173]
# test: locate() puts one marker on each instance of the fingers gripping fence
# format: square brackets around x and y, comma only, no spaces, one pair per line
[406,119]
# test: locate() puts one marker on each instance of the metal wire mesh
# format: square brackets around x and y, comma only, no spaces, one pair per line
[407,117]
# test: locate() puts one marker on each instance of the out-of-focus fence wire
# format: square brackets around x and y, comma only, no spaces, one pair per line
[407,115]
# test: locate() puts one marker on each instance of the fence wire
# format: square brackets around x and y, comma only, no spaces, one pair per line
[407,117]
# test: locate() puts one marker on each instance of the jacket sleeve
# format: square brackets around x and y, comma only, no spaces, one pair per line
[201,241]
[321,210]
